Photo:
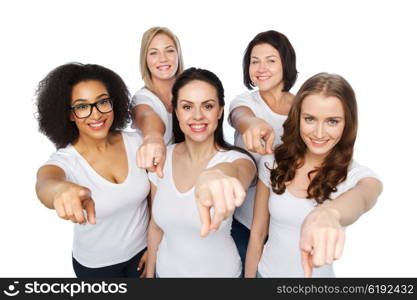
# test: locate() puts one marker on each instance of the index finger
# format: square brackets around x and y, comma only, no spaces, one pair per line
[269,142]
[306,263]
[205,220]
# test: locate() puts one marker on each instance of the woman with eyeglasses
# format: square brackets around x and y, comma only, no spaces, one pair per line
[202,171]
[160,64]
[92,178]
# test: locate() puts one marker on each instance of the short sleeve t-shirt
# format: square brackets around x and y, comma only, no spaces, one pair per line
[182,252]
[121,209]
[281,256]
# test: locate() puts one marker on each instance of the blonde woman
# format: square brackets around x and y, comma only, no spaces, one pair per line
[160,63]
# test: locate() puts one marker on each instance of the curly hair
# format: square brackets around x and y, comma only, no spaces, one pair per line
[286,51]
[54,98]
[289,156]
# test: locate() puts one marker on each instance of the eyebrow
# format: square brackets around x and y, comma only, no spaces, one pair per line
[170,46]
[205,101]
[310,115]
[269,56]
[83,100]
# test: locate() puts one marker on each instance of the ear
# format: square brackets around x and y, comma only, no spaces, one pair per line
[220,113]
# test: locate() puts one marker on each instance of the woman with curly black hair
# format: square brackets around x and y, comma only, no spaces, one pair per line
[300,186]
[82,109]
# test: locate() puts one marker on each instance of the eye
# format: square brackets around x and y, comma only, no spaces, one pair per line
[208,106]
[272,61]
[81,106]
[308,119]
[254,62]
[171,50]
[152,53]
[186,107]
[333,122]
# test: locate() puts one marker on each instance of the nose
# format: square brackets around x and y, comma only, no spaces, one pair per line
[318,130]
[163,57]
[95,113]
[262,66]
[198,114]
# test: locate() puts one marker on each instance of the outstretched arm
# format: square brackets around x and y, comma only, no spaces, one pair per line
[322,236]
[67,198]
[151,154]
[223,188]
[258,135]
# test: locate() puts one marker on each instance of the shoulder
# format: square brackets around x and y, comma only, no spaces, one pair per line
[231,156]
[247,98]
[64,158]
[145,96]
[356,170]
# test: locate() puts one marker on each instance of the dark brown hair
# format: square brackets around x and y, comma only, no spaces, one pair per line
[288,60]
[289,156]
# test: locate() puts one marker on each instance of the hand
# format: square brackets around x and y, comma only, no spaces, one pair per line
[70,200]
[142,264]
[224,193]
[151,155]
[322,238]
[259,137]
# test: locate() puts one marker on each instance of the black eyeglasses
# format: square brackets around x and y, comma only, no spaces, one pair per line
[84,110]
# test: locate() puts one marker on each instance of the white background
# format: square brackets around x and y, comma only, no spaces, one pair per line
[371,43]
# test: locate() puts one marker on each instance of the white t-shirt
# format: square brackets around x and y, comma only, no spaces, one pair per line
[121,209]
[145,96]
[253,100]
[182,252]
[281,255]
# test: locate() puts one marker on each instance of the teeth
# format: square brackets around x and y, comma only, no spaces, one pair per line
[197,126]
[96,124]
[263,77]
[319,142]
[163,68]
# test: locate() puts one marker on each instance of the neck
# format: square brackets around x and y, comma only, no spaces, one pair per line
[87,144]
[202,151]
[313,161]
[163,89]
[275,97]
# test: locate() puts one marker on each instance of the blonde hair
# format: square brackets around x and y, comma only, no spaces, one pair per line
[146,40]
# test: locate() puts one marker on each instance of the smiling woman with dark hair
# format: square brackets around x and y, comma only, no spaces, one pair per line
[82,109]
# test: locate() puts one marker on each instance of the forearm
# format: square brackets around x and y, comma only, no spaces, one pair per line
[349,206]
[50,181]
[241,118]
[149,123]
[154,239]
[253,255]
[244,171]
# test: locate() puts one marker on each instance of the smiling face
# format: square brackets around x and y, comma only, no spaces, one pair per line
[162,57]
[322,122]
[198,110]
[265,69]
[98,124]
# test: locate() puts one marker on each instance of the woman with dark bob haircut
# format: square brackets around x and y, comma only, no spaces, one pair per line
[299,184]
[269,63]
[200,168]
[82,109]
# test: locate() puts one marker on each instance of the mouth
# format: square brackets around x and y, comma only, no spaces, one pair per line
[262,78]
[198,127]
[318,143]
[163,67]
[97,125]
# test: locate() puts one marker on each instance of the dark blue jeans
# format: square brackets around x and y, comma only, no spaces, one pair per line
[124,269]
[240,235]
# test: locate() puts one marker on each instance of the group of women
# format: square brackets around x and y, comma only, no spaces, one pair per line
[173,198]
